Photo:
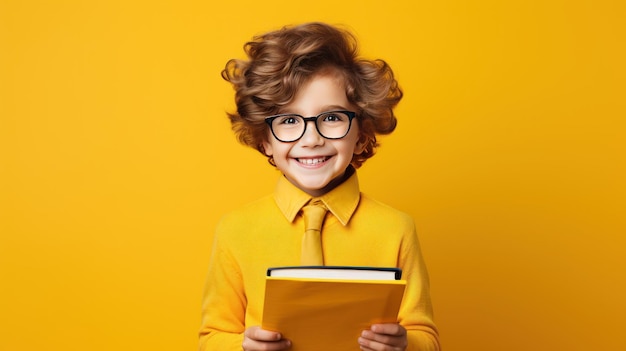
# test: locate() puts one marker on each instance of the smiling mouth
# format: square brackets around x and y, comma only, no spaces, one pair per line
[312,161]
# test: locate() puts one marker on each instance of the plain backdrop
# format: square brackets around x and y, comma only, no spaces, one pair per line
[117,161]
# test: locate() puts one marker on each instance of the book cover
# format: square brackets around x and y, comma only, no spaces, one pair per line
[328,314]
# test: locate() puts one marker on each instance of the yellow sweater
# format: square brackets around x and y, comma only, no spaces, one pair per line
[268,233]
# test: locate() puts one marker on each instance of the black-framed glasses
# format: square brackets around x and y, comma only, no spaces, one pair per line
[290,127]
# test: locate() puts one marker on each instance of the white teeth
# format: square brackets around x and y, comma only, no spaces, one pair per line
[311,161]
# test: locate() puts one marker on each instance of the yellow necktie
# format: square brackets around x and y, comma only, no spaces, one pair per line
[313,214]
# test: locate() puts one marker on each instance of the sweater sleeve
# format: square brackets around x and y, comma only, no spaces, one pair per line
[416,313]
[224,301]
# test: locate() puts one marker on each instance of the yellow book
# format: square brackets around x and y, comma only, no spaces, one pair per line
[330,313]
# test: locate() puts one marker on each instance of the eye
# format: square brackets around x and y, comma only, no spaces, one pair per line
[287,120]
[333,117]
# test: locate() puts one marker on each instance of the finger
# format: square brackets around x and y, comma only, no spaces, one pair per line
[389,329]
[254,345]
[374,341]
[372,345]
[256,333]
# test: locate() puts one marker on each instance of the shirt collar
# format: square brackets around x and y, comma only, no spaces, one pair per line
[342,201]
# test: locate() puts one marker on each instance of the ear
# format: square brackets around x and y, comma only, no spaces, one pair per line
[267,148]
[361,144]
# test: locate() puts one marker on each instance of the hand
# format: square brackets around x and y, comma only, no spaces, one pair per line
[384,337]
[255,338]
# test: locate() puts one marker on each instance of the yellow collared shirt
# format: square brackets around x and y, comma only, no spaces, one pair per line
[268,233]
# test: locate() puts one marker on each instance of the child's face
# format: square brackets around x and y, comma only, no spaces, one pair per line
[312,163]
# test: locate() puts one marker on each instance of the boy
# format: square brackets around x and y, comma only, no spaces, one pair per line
[313,107]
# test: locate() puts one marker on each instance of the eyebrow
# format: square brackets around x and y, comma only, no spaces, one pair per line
[326,108]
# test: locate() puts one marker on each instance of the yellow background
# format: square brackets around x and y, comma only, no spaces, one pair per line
[116,161]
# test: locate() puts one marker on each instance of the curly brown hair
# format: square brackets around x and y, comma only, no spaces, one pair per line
[281,61]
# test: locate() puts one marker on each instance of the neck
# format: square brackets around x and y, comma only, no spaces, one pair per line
[333,183]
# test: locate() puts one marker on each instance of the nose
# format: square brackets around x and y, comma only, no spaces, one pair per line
[311,136]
